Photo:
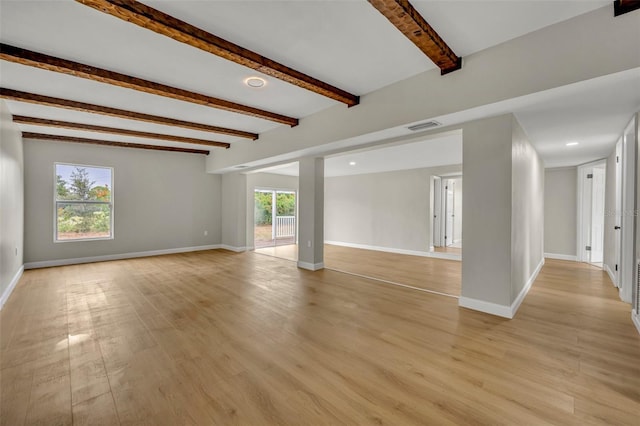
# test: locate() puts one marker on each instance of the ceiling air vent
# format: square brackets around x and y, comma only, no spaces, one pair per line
[424,126]
[241,167]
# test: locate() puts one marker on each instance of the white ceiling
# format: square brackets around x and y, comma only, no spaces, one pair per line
[438,150]
[346,43]
[469,26]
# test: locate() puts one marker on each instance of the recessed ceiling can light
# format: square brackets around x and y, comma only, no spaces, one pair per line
[572,143]
[352,163]
[255,82]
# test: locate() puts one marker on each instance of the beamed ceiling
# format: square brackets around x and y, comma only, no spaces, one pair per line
[171,74]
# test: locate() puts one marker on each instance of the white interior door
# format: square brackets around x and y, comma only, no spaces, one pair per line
[437,212]
[618,214]
[585,212]
[597,215]
[449,212]
[457,222]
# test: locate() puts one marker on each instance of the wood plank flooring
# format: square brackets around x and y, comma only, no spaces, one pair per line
[443,276]
[224,338]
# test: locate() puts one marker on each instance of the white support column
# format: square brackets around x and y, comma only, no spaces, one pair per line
[311,214]
[234,211]
[274,214]
[502,220]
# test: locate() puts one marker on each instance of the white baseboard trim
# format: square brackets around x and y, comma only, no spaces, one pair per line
[311,266]
[91,259]
[624,295]
[232,248]
[486,307]
[635,316]
[12,285]
[561,256]
[525,290]
[612,276]
[502,310]
[447,256]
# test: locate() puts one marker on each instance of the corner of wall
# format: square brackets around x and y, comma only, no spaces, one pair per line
[11,286]
[11,203]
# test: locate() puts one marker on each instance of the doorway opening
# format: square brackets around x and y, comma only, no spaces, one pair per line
[447,214]
[591,199]
[275,219]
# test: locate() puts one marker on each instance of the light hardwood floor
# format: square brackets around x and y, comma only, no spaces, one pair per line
[444,276]
[224,338]
[450,250]
[439,275]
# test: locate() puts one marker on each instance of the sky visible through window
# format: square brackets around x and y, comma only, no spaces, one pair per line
[101,175]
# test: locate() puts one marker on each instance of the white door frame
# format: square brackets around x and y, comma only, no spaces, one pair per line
[584,206]
[627,258]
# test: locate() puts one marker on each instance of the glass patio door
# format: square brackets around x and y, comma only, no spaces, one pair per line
[275,218]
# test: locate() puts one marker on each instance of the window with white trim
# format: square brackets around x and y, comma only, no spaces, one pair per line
[83,198]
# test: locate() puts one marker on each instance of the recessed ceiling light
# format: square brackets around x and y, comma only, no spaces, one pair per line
[255,82]
[572,143]
[352,163]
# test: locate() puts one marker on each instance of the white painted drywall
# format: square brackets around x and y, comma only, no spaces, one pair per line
[629,211]
[636,289]
[610,213]
[11,200]
[311,214]
[503,215]
[390,209]
[560,210]
[527,210]
[234,211]
[486,211]
[162,200]
[264,181]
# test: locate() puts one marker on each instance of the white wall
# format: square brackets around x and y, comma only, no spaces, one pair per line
[629,211]
[264,181]
[11,203]
[560,211]
[486,211]
[389,210]
[636,290]
[527,211]
[234,211]
[162,200]
[610,209]
[311,213]
[503,216]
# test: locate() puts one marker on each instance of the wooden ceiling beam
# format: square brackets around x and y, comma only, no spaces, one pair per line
[410,23]
[21,119]
[76,69]
[58,138]
[33,98]
[161,23]
[620,7]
